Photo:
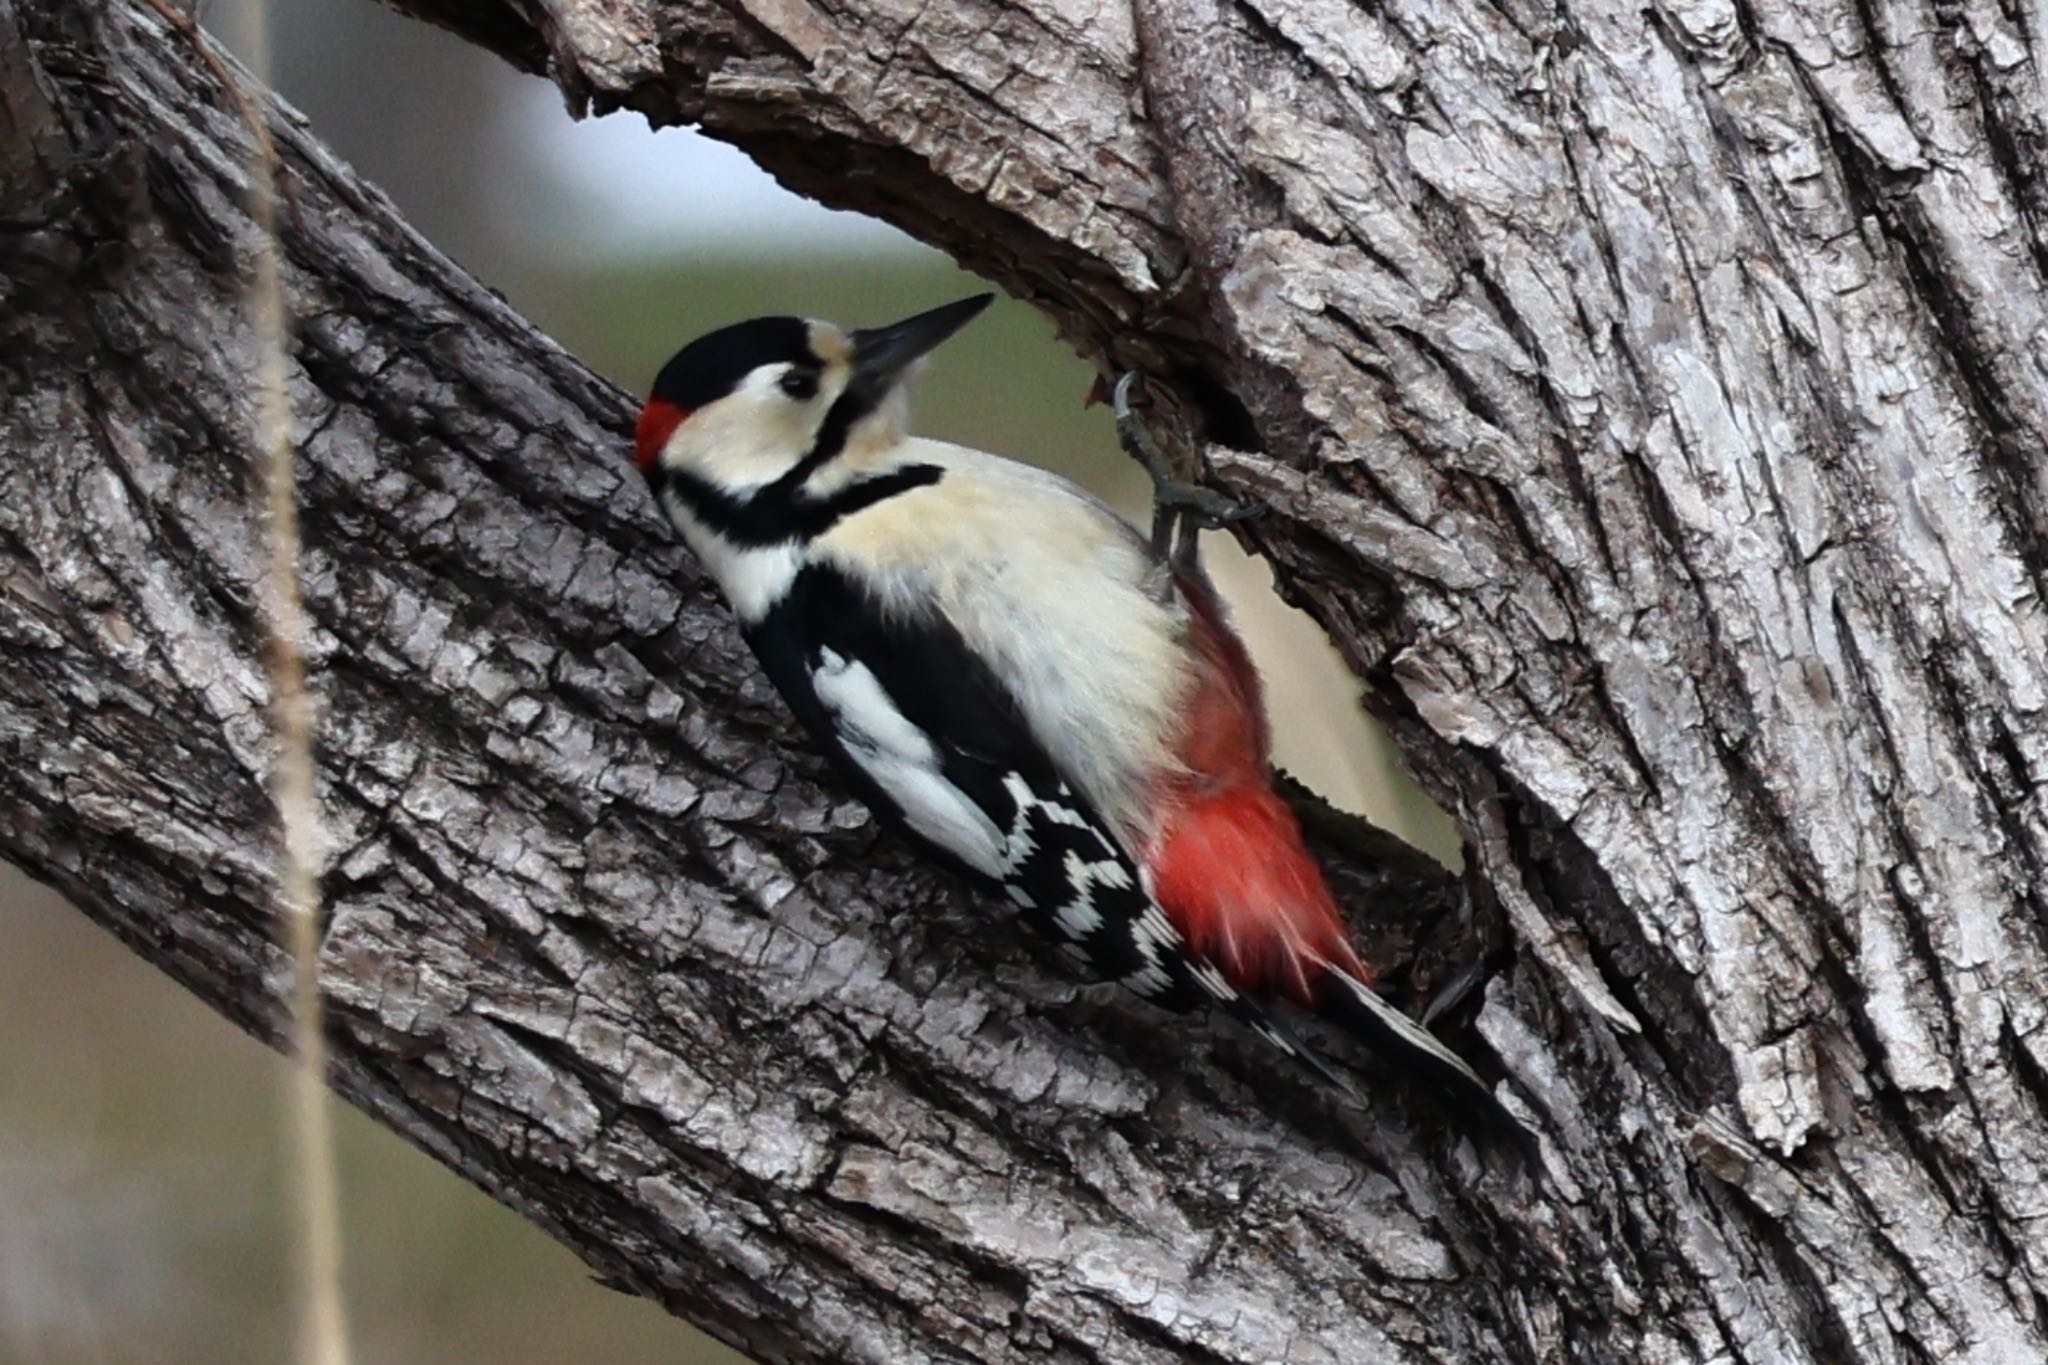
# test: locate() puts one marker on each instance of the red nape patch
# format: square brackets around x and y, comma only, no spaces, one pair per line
[658,421]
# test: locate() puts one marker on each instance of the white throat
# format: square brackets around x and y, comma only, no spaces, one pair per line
[754,578]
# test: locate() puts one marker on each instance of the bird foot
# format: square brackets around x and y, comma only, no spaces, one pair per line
[1178,506]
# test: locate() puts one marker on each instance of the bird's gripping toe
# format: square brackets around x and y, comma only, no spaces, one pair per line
[1177,504]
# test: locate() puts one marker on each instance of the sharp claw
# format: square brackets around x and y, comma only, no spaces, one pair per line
[1243,511]
[1205,506]
[1131,433]
[1120,397]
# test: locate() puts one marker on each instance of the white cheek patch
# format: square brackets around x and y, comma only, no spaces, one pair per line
[747,439]
[900,759]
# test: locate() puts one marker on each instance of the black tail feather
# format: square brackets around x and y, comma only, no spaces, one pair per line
[1262,1021]
[1358,1010]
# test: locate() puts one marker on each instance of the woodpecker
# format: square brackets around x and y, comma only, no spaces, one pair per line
[1037,693]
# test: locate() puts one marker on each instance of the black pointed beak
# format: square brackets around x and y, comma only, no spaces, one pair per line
[882,354]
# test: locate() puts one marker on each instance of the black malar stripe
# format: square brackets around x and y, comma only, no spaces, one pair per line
[775,516]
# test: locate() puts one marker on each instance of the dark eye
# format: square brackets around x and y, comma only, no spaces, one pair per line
[800,384]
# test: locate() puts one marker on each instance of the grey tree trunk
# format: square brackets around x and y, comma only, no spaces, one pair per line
[1651,402]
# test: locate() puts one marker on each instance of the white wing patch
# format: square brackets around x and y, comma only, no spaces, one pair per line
[901,760]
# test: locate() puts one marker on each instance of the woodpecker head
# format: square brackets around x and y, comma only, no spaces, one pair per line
[744,406]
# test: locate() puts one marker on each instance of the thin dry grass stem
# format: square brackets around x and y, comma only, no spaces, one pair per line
[322,1324]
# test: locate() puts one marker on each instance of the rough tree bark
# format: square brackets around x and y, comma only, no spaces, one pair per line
[1650,399]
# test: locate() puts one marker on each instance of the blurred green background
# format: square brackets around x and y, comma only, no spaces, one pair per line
[141,1218]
